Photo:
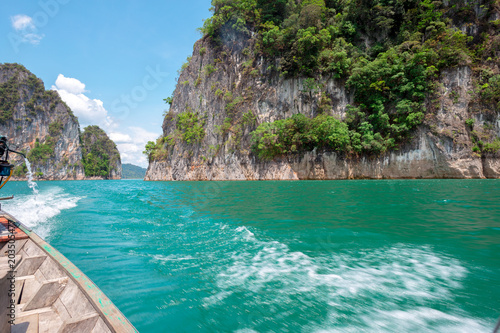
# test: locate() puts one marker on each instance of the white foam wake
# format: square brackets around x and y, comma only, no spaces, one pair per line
[359,292]
[37,210]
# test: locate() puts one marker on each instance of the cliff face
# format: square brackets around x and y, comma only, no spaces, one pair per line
[440,148]
[38,123]
[227,90]
[101,158]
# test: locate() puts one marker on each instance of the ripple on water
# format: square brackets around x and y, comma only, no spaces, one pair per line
[384,290]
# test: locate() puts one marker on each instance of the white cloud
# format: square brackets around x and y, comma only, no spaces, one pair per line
[24,26]
[69,84]
[132,145]
[89,111]
[22,22]
[92,112]
[119,137]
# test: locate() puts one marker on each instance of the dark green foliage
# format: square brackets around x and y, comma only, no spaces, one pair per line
[390,92]
[55,128]
[248,119]
[238,14]
[209,69]
[35,85]
[20,171]
[389,52]
[315,35]
[190,127]
[99,153]
[158,150]
[492,147]
[273,11]
[337,59]
[9,97]
[23,85]
[299,133]
[149,149]
[225,127]
[38,95]
[233,104]
[490,90]
[42,152]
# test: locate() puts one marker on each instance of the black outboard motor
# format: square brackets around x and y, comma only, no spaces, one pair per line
[3,145]
[5,166]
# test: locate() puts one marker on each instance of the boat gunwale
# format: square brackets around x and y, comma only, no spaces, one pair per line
[114,319]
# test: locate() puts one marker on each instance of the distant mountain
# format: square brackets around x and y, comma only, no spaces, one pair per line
[130,171]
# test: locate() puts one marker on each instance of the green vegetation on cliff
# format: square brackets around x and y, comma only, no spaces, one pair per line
[9,97]
[189,129]
[42,152]
[389,54]
[23,87]
[100,155]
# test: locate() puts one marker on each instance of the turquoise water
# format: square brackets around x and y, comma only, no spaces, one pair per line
[310,256]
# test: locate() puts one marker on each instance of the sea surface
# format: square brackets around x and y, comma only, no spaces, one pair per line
[302,256]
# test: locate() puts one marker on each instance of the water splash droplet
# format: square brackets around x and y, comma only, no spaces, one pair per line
[31,184]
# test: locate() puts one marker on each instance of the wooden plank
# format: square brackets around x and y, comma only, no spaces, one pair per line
[30,265]
[48,293]
[19,289]
[24,314]
[31,286]
[100,327]
[61,310]
[18,245]
[39,277]
[75,301]
[51,270]
[5,311]
[49,322]
[32,249]
[83,324]
[5,263]
[27,324]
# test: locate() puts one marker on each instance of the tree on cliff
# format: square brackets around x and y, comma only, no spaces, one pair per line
[389,54]
[100,155]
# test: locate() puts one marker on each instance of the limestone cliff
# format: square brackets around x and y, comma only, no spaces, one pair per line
[101,158]
[230,87]
[38,123]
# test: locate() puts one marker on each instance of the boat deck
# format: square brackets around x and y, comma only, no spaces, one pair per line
[49,293]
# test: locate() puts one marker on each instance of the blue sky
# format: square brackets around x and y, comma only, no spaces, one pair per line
[112,61]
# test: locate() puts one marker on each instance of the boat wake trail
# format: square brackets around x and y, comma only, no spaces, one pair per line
[398,288]
[36,210]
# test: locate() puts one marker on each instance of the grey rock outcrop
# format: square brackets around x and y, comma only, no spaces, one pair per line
[216,88]
[41,123]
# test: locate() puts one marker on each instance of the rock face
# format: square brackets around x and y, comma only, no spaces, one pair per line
[40,124]
[101,158]
[214,89]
